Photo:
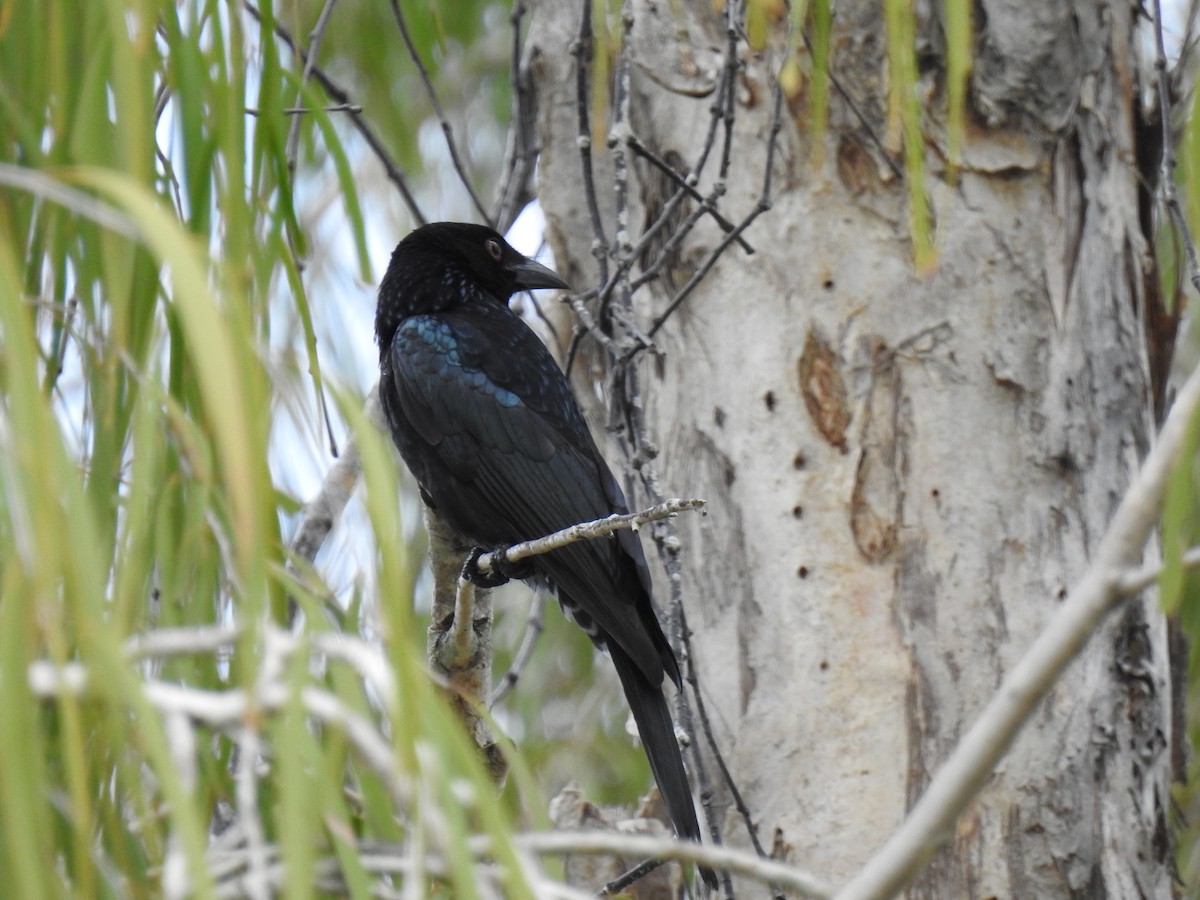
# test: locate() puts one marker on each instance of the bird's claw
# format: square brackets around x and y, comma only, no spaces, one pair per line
[502,571]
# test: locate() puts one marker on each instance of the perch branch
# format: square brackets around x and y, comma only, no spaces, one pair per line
[585,531]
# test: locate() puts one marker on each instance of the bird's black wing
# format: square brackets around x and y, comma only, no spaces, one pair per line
[484,417]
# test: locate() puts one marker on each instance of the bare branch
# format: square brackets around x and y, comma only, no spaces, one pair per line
[314,46]
[533,630]
[521,150]
[438,111]
[581,49]
[394,173]
[683,184]
[323,511]
[739,862]
[763,204]
[1170,194]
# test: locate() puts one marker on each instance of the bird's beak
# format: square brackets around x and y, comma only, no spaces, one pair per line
[532,274]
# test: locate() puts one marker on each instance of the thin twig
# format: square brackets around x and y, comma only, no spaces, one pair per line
[314,46]
[608,843]
[739,802]
[624,880]
[763,204]
[581,49]
[1170,194]
[683,184]
[398,15]
[309,110]
[700,273]
[394,173]
[323,511]
[227,710]
[521,151]
[533,630]
[730,77]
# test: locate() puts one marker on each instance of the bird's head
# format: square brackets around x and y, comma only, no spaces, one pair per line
[446,264]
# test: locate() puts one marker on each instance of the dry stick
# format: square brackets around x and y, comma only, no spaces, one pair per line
[1170,194]
[763,204]
[680,638]
[394,172]
[678,235]
[533,630]
[559,843]
[627,403]
[970,765]
[330,108]
[637,873]
[521,151]
[314,45]
[739,801]
[682,183]
[323,511]
[438,111]
[290,151]
[717,112]
[730,77]
[577,301]
[667,544]
[581,49]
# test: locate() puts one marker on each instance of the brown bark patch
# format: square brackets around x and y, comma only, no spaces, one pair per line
[874,502]
[823,389]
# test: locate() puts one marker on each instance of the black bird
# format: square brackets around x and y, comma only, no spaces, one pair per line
[486,421]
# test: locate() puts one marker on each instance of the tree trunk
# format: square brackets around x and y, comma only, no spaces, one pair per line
[905,474]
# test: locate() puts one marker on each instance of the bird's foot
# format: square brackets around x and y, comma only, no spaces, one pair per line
[502,571]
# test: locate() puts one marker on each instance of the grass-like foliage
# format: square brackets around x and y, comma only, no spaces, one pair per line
[160,731]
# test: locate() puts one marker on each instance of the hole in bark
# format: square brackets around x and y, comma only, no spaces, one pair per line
[1062,593]
[769,399]
[799,461]
[798,511]
[935,493]
[824,664]
[719,416]
[827,284]
[802,571]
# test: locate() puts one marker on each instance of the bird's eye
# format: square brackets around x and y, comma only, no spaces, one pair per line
[493,249]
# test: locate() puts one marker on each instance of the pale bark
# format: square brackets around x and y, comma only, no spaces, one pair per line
[904,473]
